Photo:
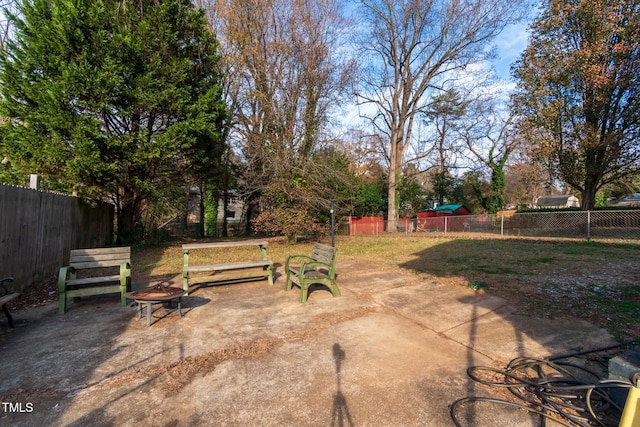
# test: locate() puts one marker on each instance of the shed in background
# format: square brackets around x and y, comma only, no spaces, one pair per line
[445,210]
[432,220]
[562,201]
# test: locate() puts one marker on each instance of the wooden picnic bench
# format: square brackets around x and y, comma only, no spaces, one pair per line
[6,297]
[319,268]
[226,272]
[95,263]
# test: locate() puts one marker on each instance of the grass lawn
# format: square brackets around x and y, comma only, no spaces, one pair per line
[595,281]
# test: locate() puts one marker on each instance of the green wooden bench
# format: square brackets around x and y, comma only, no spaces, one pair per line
[95,263]
[319,268]
[226,272]
[6,297]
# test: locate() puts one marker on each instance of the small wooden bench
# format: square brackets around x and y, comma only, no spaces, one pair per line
[94,262]
[226,272]
[6,297]
[319,268]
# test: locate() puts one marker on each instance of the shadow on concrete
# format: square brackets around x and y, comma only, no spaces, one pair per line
[520,333]
[72,356]
[54,358]
[340,415]
[472,414]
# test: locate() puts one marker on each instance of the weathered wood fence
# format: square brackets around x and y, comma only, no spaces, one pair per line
[38,229]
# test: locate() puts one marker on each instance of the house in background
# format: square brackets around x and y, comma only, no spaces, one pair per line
[562,201]
[628,200]
[233,216]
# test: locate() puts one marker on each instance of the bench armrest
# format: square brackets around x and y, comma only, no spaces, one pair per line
[5,291]
[315,266]
[295,257]
[62,280]
[125,269]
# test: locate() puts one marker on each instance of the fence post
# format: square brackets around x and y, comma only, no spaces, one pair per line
[445,224]
[333,227]
[588,226]
[502,226]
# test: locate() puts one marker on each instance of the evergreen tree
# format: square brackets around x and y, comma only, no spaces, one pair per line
[116,100]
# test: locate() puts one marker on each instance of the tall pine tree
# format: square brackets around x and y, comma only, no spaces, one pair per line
[118,100]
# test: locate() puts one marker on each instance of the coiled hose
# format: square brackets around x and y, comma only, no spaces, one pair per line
[569,394]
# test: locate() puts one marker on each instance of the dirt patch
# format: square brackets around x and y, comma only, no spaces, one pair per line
[173,377]
[36,295]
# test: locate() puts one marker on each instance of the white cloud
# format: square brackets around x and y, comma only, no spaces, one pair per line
[510,44]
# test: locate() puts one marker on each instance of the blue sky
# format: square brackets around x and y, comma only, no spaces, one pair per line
[510,43]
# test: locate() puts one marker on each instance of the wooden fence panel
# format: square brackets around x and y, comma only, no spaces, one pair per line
[38,229]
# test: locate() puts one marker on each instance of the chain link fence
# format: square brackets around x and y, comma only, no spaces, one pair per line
[570,224]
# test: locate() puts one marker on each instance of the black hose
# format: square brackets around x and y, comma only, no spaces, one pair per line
[552,389]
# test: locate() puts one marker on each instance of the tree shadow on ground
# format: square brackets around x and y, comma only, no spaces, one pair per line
[55,358]
[473,264]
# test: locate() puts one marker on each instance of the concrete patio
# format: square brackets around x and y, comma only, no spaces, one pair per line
[392,351]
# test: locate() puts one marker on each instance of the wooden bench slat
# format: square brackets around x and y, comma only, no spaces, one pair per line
[215,245]
[312,274]
[92,280]
[323,259]
[228,266]
[97,264]
[99,258]
[123,251]
[230,276]
[8,298]
[94,290]
[109,257]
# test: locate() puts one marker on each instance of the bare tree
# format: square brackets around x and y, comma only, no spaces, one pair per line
[491,138]
[5,24]
[414,46]
[286,73]
[524,181]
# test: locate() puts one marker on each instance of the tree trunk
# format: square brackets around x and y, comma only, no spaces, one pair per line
[225,206]
[128,218]
[394,169]
[249,214]
[589,195]
[202,231]
[497,188]
[391,205]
